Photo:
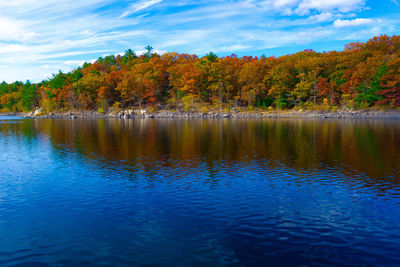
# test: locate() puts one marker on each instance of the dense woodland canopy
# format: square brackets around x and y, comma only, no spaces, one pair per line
[364,75]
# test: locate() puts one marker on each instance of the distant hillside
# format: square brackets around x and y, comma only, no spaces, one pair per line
[364,75]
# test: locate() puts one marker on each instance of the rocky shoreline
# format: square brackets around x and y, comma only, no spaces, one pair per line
[130,114]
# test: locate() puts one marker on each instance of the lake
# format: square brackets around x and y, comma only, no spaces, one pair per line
[244,192]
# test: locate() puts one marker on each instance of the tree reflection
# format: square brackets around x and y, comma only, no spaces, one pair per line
[355,148]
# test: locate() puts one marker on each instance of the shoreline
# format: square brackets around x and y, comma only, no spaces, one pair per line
[131,114]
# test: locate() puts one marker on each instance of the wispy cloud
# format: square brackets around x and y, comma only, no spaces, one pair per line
[133,8]
[352,22]
[327,5]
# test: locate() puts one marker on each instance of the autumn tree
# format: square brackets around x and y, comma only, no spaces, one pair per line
[186,77]
[143,83]
[367,95]
[87,89]
[282,79]
[390,84]
[223,78]
[255,79]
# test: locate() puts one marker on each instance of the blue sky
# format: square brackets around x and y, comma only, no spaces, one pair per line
[40,37]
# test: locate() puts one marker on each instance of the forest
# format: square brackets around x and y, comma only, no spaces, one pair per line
[362,76]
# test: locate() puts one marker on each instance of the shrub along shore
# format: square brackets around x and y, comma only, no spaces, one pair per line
[145,114]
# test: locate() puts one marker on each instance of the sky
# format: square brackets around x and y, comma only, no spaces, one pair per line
[41,37]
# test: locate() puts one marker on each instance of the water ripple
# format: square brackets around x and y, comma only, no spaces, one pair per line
[196,193]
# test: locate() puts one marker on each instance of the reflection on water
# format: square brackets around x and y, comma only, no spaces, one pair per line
[200,192]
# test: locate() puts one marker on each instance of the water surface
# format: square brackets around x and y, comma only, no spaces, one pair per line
[199,192]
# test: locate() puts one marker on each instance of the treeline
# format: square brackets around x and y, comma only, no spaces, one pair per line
[364,75]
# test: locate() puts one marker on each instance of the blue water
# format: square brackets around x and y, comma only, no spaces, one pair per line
[10,118]
[199,192]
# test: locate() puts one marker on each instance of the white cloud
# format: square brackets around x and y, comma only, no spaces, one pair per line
[140,6]
[304,7]
[352,22]
[232,48]
[284,3]
[16,3]
[322,17]
[14,30]
[329,5]
[142,52]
